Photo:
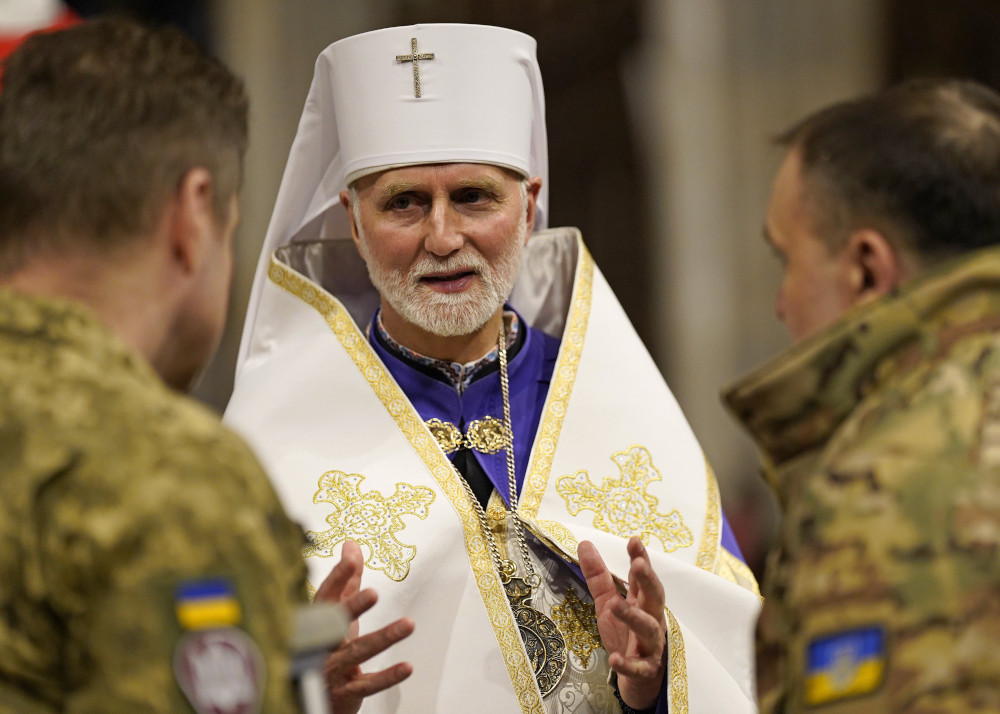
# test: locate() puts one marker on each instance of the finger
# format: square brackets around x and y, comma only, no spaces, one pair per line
[599,579]
[344,579]
[635,547]
[373,682]
[645,587]
[640,670]
[360,603]
[359,650]
[647,631]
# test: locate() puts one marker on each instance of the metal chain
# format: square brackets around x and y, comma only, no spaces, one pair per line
[484,521]
[506,568]
[533,580]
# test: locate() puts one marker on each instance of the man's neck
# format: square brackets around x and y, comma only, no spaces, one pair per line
[122,296]
[457,348]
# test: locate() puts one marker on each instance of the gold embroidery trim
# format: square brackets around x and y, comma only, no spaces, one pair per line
[412,426]
[709,550]
[736,571]
[487,435]
[678,667]
[369,519]
[711,555]
[561,387]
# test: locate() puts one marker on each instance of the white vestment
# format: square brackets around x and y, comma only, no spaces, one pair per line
[613,457]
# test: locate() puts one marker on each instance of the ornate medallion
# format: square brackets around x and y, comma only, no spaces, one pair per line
[542,639]
[487,435]
[447,435]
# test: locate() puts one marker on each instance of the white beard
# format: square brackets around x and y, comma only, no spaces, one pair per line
[449,314]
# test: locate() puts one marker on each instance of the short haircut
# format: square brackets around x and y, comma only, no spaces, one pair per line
[99,123]
[919,161]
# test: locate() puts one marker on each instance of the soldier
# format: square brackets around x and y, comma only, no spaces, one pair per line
[146,564]
[879,429]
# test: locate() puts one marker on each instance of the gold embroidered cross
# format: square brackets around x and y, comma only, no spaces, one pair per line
[369,519]
[622,505]
[415,59]
[577,621]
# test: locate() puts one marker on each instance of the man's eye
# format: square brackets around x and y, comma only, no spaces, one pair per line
[401,202]
[473,195]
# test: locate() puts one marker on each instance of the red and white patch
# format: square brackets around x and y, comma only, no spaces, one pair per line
[220,671]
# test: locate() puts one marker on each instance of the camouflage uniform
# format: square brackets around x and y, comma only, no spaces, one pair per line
[120,501]
[881,439]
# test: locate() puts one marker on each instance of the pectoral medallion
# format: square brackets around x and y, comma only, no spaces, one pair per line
[543,642]
[542,639]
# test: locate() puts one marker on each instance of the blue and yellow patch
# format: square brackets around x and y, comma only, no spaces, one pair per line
[845,664]
[205,604]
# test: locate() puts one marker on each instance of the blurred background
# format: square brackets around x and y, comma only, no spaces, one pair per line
[660,114]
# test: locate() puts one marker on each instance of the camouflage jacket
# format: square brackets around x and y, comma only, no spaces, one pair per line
[881,439]
[146,564]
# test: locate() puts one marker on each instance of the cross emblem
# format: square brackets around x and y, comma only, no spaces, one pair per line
[623,505]
[370,519]
[415,59]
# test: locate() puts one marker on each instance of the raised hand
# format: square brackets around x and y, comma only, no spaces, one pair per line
[633,629]
[347,683]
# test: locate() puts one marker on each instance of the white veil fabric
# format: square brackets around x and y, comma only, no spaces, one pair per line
[473,95]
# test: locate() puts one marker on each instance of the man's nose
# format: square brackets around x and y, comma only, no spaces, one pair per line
[443,230]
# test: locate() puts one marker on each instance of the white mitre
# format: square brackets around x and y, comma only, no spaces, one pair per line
[402,96]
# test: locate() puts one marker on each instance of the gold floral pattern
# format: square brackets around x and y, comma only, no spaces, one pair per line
[678,666]
[623,506]
[370,519]
[487,435]
[561,389]
[709,551]
[577,620]
[448,436]
[554,530]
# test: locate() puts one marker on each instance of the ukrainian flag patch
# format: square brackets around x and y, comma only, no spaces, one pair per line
[206,604]
[845,664]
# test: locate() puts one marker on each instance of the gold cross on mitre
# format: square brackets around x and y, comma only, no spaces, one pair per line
[415,59]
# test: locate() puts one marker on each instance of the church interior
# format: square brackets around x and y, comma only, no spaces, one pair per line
[660,117]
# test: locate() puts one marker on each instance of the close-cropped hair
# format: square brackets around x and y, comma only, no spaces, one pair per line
[99,124]
[919,161]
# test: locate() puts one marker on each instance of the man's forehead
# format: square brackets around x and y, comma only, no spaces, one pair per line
[418,175]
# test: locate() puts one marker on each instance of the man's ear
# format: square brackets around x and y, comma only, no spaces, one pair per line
[876,267]
[345,201]
[192,219]
[534,186]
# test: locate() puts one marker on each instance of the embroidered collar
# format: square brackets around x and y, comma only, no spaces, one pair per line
[456,374]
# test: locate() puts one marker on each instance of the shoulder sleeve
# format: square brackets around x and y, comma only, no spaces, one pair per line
[891,597]
[175,571]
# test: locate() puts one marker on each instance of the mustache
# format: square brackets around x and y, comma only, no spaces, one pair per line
[468,262]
